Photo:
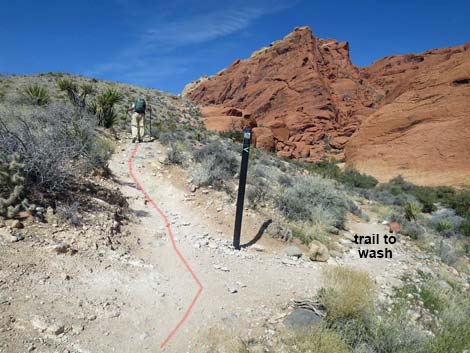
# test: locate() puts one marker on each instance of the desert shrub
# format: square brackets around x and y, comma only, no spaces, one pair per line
[426,196]
[233,135]
[408,228]
[175,153]
[460,202]
[36,94]
[69,213]
[452,333]
[346,293]
[445,220]
[309,193]
[465,227]
[257,192]
[447,253]
[382,332]
[301,234]
[395,333]
[220,163]
[326,168]
[318,340]
[356,179]
[412,211]
[285,180]
[56,143]
[318,228]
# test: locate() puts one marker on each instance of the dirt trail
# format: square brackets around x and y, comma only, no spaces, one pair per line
[131,302]
[264,283]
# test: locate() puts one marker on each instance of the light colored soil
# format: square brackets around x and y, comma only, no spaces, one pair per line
[130,299]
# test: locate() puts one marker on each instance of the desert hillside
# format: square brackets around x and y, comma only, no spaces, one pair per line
[110,245]
[307,100]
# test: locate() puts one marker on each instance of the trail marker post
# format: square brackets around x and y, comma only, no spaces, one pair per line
[150,129]
[241,187]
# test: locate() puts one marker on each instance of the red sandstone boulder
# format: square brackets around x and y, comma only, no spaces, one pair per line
[262,137]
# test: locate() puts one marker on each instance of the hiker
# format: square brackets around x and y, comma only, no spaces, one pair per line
[138,118]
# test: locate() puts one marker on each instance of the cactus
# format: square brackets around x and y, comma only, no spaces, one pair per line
[11,188]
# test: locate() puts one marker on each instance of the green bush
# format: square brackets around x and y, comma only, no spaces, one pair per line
[460,202]
[356,179]
[452,335]
[412,211]
[302,200]
[233,135]
[326,168]
[465,227]
[36,94]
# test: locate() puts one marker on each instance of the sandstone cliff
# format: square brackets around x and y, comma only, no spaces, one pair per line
[305,99]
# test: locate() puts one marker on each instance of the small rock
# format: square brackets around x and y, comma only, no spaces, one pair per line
[258,247]
[77,329]
[289,262]
[302,319]
[293,251]
[55,329]
[444,285]
[60,248]
[318,252]
[14,224]
[232,289]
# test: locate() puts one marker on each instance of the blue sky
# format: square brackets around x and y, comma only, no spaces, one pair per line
[165,44]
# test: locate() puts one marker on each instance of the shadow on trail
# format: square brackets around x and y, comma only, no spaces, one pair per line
[258,235]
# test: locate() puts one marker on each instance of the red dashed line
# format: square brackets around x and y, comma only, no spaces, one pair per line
[173,243]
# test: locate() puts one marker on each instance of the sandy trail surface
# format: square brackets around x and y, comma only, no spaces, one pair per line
[131,301]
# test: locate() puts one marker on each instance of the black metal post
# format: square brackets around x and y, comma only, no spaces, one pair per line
[241,187]
[150,130]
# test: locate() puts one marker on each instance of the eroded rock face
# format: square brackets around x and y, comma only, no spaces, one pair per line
[422,130]
[304,89]
[403,114]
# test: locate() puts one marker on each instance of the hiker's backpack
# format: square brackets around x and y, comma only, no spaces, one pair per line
[140,105]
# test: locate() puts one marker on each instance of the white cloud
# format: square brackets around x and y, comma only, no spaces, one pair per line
[174,27]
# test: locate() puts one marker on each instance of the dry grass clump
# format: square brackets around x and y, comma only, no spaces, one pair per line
[347,293]
[319,340]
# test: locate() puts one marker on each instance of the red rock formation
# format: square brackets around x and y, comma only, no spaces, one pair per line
[302,88]
[422,131]
[307,100]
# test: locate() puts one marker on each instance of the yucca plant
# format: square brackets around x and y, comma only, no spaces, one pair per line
[104,103]
[66,84]
[36,94]
[412,211]
[77,94]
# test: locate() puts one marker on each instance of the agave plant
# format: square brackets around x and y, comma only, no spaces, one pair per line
[36,94]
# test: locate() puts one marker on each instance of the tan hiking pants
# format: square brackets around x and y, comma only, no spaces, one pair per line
[137,125]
